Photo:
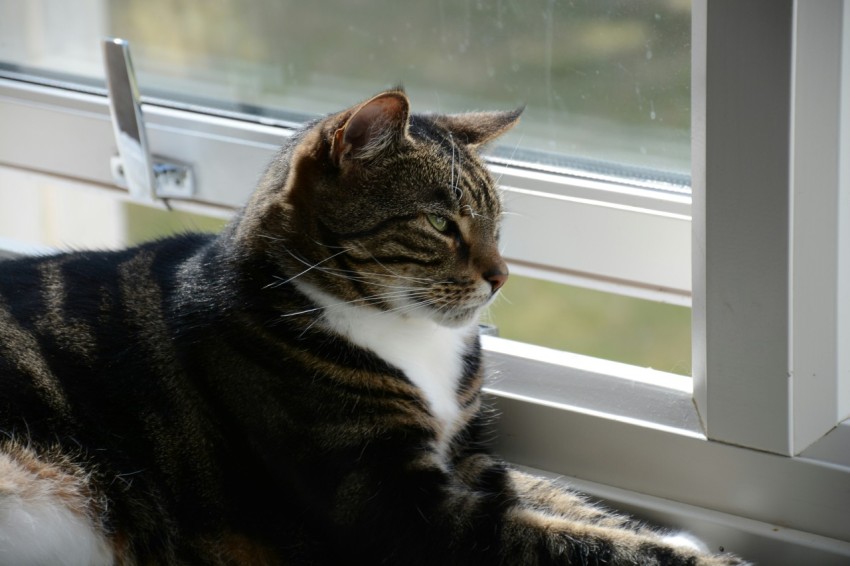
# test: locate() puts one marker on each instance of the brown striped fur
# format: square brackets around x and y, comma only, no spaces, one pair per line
[303,388]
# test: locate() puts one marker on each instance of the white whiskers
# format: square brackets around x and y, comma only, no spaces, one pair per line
[392,291]
[309,268]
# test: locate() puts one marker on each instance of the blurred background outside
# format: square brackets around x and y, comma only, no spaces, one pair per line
[606,86]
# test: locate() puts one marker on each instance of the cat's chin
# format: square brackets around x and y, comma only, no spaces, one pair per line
[457,319]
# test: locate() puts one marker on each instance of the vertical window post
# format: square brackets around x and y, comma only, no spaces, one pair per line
[741,86]
[820,220]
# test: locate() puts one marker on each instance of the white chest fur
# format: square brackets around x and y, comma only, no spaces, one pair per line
[430,355]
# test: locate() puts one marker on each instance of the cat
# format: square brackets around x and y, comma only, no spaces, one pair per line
[303,388]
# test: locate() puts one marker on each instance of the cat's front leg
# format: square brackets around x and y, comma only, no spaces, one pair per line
[546,517]
[534,537]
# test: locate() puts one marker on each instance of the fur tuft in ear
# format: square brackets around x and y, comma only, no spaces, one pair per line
[477,128]
[372,127]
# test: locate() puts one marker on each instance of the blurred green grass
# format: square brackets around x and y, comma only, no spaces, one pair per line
[145,223]
[595,323]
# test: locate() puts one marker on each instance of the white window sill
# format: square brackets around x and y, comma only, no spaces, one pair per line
[633,436]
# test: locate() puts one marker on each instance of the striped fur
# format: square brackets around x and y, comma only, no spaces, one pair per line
[303,388]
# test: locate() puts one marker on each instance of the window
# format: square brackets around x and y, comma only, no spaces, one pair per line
[607,81]
[607,93]
[766,413]
[602,324]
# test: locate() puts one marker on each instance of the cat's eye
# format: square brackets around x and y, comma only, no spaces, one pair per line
[440,223]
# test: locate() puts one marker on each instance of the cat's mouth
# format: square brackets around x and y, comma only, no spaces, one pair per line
[457,315]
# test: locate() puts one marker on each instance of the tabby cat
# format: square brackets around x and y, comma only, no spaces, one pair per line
[304,388]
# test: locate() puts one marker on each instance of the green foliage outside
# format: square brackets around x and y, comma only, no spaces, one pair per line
[605,79]
[604,325]
[146,223]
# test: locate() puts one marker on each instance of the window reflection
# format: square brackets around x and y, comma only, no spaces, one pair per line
[606,80]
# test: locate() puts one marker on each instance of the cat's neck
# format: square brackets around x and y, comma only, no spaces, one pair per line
[429,354]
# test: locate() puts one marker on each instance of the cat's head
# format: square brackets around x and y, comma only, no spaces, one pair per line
[380,207]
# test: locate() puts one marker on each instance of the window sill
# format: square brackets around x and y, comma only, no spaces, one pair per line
[637,431]
[757,541]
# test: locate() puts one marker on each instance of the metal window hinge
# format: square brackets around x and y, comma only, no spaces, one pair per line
[147,178]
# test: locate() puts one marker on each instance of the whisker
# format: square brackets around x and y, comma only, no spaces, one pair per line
[394,273]
[310,267]
[413,294]
[512,213]
[329,246]
[365,275]
[513,153]
[269,237]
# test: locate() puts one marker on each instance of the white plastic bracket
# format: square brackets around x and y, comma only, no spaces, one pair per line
[147,178]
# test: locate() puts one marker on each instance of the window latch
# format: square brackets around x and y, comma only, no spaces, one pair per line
[147,178]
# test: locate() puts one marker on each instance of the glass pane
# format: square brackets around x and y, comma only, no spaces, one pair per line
[144,223]
[605,84]
[604,81]
[603,325]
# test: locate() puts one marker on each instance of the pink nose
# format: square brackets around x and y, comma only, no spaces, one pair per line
[497,277]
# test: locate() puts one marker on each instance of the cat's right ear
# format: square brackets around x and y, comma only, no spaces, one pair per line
[478,128]
[372,127]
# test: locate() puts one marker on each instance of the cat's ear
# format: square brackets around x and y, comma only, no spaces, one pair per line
[477,128]
[372,127]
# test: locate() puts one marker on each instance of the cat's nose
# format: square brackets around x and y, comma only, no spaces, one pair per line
[497,276]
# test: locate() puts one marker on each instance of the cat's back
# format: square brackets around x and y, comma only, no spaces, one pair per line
[93,399]
[69,320]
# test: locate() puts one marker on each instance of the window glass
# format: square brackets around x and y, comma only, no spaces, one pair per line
[603,82]
[595,323]
[144,223]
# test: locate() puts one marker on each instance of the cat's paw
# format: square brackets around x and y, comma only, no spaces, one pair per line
[687,541]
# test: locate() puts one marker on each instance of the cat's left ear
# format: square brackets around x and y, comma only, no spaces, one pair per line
[477,128]
[372,127]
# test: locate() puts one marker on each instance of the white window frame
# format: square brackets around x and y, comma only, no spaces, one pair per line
[758,441]
[41,121]
[771,258]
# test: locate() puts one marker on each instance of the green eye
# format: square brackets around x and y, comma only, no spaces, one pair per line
[440,223]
